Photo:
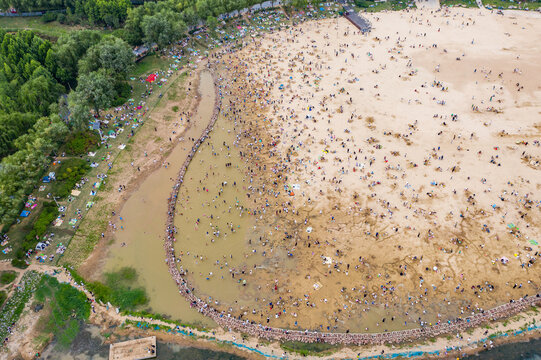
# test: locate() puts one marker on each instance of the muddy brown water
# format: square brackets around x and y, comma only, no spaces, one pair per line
[143,223]
[216,222]
[219,238]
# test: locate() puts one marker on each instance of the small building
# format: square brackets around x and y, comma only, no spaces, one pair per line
[137,349]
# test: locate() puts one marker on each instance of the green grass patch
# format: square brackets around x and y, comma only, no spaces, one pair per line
[495,335]
[48,213]
[305,349]
[7,277]
[391,5]
[69,307]
[118,289]
[150,63]
[51,29]
[3,297]
[463,3]
[505,4]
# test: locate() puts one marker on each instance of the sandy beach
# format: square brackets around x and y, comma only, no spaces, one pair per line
[391,176]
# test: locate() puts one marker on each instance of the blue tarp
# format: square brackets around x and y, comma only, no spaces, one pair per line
[25,213]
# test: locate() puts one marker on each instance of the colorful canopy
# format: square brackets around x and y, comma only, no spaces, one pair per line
[151,78]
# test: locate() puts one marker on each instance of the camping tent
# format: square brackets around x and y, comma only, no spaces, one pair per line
[25,213]
[151,78]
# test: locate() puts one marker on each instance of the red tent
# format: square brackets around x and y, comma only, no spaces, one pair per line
[151,78]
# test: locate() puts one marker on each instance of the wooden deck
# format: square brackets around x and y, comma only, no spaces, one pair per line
[138,349]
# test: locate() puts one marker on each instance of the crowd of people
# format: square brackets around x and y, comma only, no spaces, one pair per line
[232,322]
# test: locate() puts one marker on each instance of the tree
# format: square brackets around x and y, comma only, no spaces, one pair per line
[95,89]
[79,112]
[112,54]
[156,30]
[39,92]
[212,24]
[62,60]
[20,171]
[162,28]
[12,126]
[132,27]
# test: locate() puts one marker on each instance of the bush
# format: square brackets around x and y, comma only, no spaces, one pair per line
[362,3]
[118,288]
[61,18]
[47,215]
[14,306]
[123,93]
[19,263]
[69,173]
[81,142]
[7,277]
[69,307]
[3,297]
[48,17]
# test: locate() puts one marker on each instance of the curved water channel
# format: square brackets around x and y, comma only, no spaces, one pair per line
[143,221]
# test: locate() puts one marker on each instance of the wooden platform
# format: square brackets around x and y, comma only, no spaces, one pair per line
[138,349]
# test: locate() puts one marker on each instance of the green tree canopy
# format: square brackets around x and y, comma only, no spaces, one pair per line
[63,59]
[95,89]
[112,54]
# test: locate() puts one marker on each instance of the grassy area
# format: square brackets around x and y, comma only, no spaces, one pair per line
[464,3]
[18,231]
[505,4]
[391,5]
[306,349]
[150,63]
[69,307]
[118,289]
[7,277]
[25,235]
[52,29]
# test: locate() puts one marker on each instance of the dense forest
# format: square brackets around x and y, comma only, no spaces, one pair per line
[156,21]
[35,75]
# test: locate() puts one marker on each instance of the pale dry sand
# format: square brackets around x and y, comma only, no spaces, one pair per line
[411,204]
